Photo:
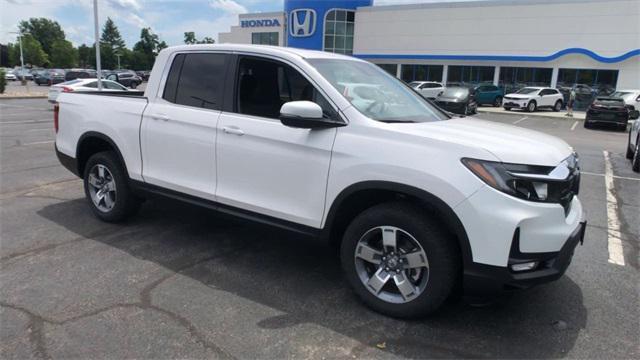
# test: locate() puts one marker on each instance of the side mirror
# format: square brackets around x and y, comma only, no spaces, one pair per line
[634,114]
[305,115]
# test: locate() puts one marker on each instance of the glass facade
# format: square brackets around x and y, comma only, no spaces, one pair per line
[338,31]
[390,68]
[588,83]
[265,38]
[421,73]
[470,75]
[513,79]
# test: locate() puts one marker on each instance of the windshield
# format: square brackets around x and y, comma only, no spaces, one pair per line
[621,94]
[455,92]
[375,93]
[527,91]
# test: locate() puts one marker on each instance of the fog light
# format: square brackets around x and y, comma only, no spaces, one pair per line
[524,266]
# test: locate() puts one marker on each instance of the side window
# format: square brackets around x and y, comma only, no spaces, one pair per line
[265,85]
[196,80]
[113,86]
[92,84]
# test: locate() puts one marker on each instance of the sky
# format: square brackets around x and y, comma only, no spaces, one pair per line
[167,18]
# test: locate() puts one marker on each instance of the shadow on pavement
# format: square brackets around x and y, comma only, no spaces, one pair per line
[302,279]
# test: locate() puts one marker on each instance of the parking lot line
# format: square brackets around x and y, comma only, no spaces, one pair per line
[523,119]
[613,176]
[616,254]
[573,127]
[26,121]
[38,143]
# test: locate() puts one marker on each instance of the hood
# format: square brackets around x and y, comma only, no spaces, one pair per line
[519,96]
[510,144]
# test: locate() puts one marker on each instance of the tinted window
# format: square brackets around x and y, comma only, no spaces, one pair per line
[196,80]
[264,86]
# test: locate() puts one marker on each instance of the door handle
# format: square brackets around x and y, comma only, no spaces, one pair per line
[162,117]
[232,130]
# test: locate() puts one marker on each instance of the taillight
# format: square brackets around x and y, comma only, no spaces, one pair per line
[56,111]
[67,89]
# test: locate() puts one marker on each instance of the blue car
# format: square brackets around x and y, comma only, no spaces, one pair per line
[488,95]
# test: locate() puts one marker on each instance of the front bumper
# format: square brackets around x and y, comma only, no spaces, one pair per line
[484,280]
[514,104]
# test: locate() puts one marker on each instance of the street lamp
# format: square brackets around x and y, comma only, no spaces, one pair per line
[20,34]
[117,54]
[97,35]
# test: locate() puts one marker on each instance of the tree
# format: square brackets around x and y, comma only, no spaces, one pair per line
[45,31]
[149,46]
[111,35]
[207,40]
[63,54]
[32,51]
[84,56]
[189,38]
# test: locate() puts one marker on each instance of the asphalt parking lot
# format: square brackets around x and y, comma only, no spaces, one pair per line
[179,281]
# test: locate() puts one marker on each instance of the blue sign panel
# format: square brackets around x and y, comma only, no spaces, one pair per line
[305,20]
[259,23]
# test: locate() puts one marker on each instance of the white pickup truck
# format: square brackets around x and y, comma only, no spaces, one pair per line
[420,202]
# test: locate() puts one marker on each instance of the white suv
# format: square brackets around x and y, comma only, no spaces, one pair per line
[419,203]
[533,98]
[428,89]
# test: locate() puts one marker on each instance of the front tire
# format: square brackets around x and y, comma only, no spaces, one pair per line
[399,261]
[630,150]
[532,106]
[106,188]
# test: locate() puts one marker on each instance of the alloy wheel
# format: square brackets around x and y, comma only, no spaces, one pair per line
[102,188]
[391,264]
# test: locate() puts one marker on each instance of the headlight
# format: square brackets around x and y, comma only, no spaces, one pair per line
[529,182]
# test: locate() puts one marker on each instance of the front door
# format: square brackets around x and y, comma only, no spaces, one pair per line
[179,126]
[264,166]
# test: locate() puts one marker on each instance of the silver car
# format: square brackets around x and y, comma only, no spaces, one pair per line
[633,144]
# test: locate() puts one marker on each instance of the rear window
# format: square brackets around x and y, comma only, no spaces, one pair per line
[196,80]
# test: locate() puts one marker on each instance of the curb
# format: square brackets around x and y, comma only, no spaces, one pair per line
[533,115]
[22,97]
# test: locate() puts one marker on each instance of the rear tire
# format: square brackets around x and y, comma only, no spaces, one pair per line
[635,163]
[107,189]
[587,124]
[507,108]
[630,150]
[557,106]
[497,102]
[425,256]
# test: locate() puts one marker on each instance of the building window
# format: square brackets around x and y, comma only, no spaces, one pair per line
[338,31]
[470,75]
[390,68]
[421,73]
[513,79]
[264,38]
[588,83]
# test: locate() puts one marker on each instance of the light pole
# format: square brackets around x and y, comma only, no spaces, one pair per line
[97,35]
[20,34]
[117,54]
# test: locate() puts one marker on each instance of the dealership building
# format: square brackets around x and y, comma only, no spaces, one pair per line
[510,43]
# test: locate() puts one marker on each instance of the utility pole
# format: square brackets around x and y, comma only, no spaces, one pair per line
[117,54]
[97,35]
[20,34]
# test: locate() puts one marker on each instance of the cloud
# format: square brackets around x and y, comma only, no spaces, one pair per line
[228,6]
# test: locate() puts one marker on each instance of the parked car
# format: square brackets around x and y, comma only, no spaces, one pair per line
[144,75]
[533,98]
[609,111]
[631,98]
[420,203]
[80,74]
[488,94]
[633,144]
[428,89]
[49,77]
[458,100]
[82,85]
[10,76]
[23,75]
[126,78]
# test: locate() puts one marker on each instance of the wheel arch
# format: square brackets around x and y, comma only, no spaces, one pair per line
[92,142]
[360,196]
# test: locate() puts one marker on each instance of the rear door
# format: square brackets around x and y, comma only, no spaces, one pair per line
[264,166]
[179,125]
